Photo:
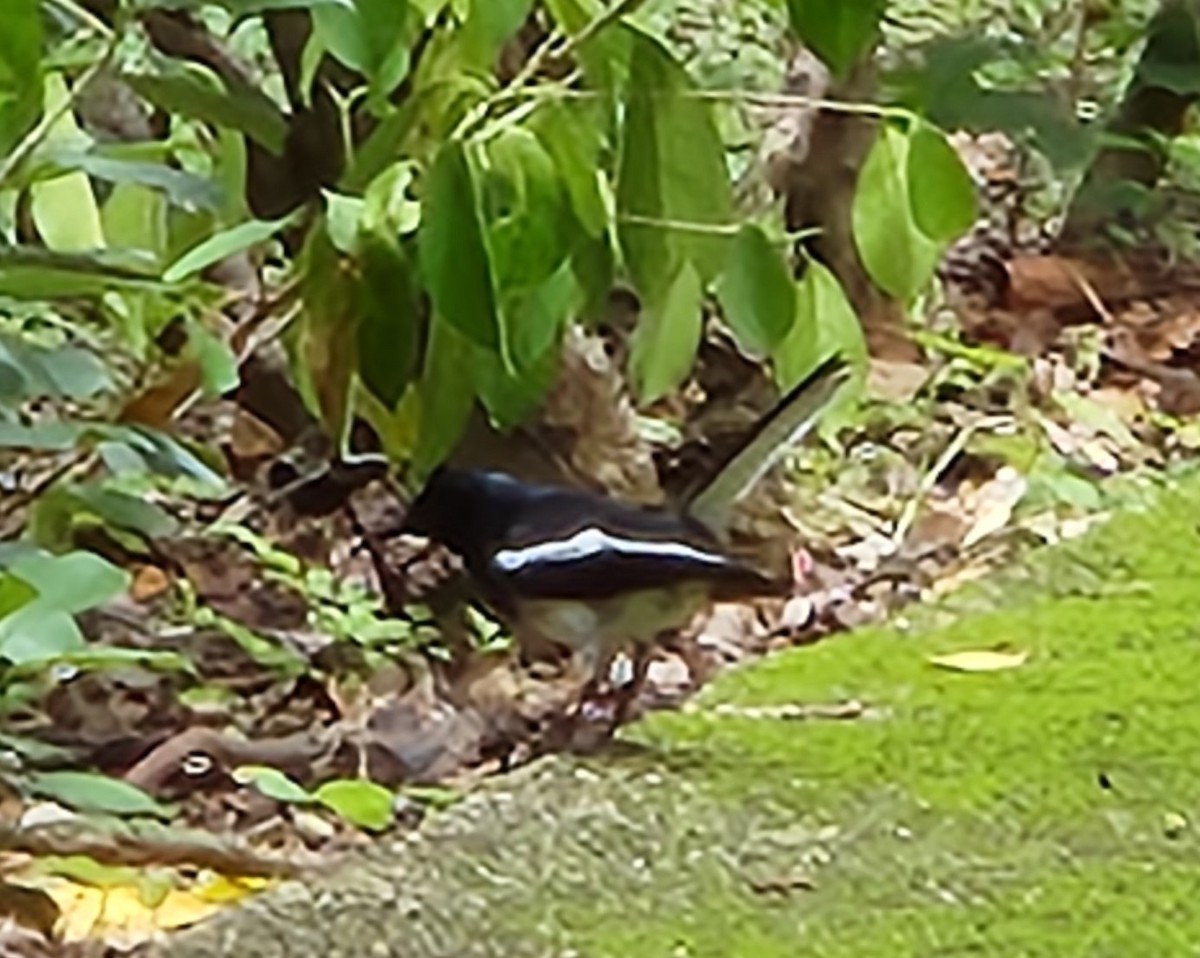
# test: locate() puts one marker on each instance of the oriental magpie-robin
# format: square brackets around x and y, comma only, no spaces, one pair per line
[565,566]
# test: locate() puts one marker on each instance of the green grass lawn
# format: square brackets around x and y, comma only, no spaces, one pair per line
[1049,810]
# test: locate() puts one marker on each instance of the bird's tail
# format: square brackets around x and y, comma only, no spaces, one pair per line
[792,418]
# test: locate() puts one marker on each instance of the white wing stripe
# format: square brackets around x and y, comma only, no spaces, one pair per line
[591,542]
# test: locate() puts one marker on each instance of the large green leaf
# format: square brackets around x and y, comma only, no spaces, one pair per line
[825,324]
[28,371]
[37,633]
[525,211]
[221,245]
[15,592]
[182,188]
[390,323]
[571,133]
[838,31]
[20,70]
[664,344]
[328,331]
[135,217]
[72,583]
[756,292]
[939,186]
[445,396]
[489,24]
[898,256]
[369,36]
[453,251]
[30,272]
[673,172]
[64,207]
[96,793]
[198,94]
[543,313]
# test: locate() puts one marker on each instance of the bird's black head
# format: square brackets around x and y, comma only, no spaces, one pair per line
[462,508]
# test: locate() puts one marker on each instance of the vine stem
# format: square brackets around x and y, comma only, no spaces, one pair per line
[750,97]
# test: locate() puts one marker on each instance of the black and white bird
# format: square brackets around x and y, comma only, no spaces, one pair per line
[561,565]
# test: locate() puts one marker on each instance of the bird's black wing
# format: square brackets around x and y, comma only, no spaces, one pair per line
[568,544]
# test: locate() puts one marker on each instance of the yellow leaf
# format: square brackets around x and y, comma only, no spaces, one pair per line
[980,660]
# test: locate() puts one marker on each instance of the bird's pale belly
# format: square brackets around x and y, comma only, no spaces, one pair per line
[636,617]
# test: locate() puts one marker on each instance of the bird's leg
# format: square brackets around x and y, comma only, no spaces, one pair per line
[627,697]
[597,660]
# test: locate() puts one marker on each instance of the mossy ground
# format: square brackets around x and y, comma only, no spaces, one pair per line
[1049,810]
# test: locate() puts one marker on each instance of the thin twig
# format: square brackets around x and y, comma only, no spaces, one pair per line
[749,97]
[706,229]
[86,16]
[930,479]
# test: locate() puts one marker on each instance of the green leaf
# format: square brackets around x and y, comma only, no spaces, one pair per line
[672,168]
[116,508]
[86,791]
[342,215]
[181,188]
[362,803]
[328,332]
[757,292]
[838,31]
[825,324]
[543,313]
[42,436]
[453,252]
[525,211]
[939,186]
[160,453]
[390,211]
[196,93]
[135,217]
[37,634]
[15,593]
[369,36]
[37,274]
[220,245]
[273,783]
[896,254]
[218,364]
[390,323]
[572,135]
[605,56]
[446,400]
[667,336]
[36,371]
[74,582]
[64,208]
[489,24]
[20,70]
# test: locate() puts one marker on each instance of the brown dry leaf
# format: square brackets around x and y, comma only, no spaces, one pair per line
[890,381]
[1056,282]
[251,438]
[149,582]
[155,406]
[980,660]
[992,504]
[29,907]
